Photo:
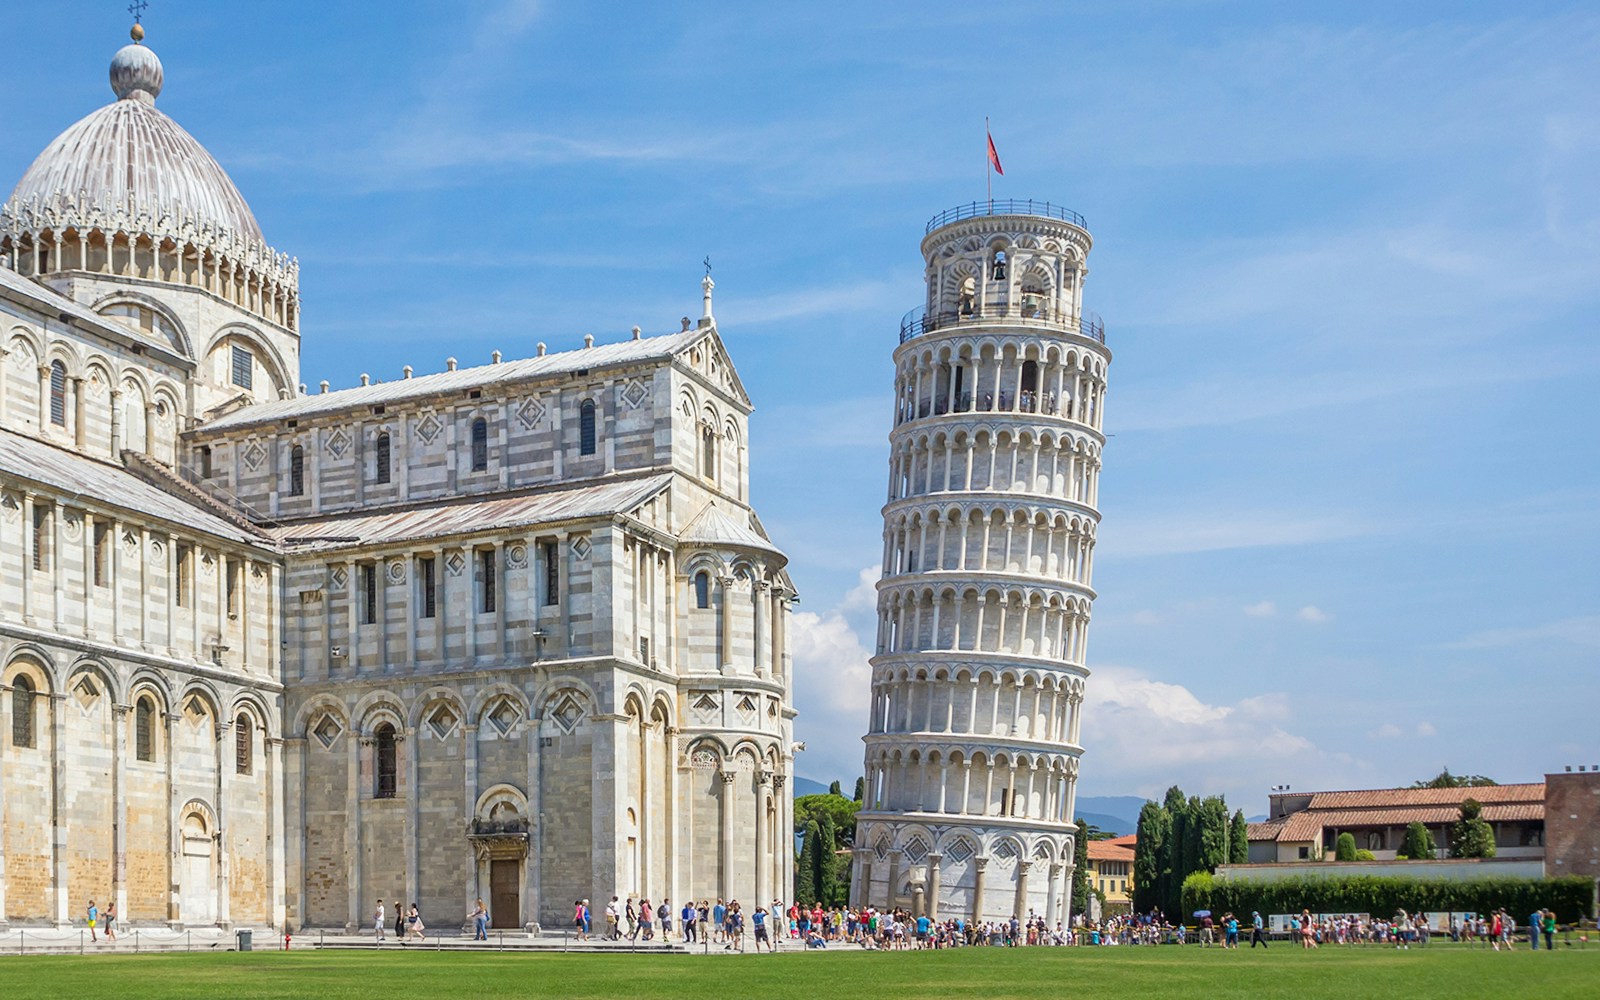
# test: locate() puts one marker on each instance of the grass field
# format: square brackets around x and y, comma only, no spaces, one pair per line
[1146,973]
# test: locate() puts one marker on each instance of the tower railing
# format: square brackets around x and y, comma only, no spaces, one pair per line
[919,321]
[1008,206]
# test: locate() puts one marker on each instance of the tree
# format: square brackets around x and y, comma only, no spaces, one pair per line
[1444,779]
[827,873]
[861,790]
[1471,837]
[1154,833]
[805,876]
[1213,831]
[1082,876]
[834,789]
[839,808]
[1239,840]
[1418,844]
[1344,849]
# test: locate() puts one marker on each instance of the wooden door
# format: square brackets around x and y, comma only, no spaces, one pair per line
[505,894]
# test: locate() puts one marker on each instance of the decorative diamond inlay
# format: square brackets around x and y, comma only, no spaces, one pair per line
[580,548]
[1041,852]
[960,851]
[339,442]
[635,394]
[429,427]
[254,455]
[442,721]
[881,847]
[1005,852]
[87,692]
[567,714]
[455,564]
[530,413]
[916,850]
[327,731]
[504,716]
[339,578]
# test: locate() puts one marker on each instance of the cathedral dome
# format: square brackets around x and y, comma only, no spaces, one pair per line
[128,161]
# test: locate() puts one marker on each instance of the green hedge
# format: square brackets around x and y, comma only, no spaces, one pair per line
[1571,896]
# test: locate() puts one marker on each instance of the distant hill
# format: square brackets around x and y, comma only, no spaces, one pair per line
[1117,814]
[805,786]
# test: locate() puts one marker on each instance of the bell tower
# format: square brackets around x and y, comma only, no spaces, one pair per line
[972,748]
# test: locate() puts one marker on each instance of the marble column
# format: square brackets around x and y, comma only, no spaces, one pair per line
[933,885]
[725,854]
[979,866]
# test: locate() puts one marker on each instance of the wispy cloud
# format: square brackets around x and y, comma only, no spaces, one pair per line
[1261,609]
[1580,631]
[1190,531]
[1313,615]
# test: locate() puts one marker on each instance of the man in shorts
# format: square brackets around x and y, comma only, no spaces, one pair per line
[758,920]
[922,931]
[94,917]
[380,923]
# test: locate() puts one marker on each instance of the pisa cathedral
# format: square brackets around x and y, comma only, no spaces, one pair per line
[977,683]
[510,631]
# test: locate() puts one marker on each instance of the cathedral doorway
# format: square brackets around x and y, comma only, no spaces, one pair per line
[505,893]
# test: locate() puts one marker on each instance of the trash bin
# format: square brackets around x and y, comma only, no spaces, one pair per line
[244,939]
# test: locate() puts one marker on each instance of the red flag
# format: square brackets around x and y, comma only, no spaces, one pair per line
[994,157]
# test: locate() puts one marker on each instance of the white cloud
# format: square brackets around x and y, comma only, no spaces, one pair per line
[1426,729]
[1265,609]
[1313,615]
[1387,731]
[1580,631]
[833,681]
[1142,734]
[1145,617]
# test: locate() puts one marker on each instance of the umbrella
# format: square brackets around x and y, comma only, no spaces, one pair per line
[1202,913]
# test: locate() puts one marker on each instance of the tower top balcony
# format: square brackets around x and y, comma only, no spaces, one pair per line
[919,321]
[1007,206]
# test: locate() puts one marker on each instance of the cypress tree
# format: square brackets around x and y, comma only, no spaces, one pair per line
[1213,834]
[1170,878]
[1239,840]
[1150,854]
[834,789]
[1081,874]
[861,790]
[805,876]
[1344,849]
[1471,837]
[1418,844]
[826,877]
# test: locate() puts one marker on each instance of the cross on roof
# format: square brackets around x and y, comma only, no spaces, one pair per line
[137,9]
[707,263]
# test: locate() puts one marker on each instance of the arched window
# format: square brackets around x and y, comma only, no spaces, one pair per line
[144,730]
[58,394]
[998,267]
[385,769]
[586,431]
[22,692]
[297,471]
[702,589]
[244,737]
[708,451]
[381,467]
[480,445]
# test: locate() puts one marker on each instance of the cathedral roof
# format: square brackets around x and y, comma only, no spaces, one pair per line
[599,356]
[129,167]
[24,458]
[714,528]
[470,515]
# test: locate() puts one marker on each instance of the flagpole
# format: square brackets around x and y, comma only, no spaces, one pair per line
[988,165]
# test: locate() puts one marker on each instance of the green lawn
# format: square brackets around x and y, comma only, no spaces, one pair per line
[986,973]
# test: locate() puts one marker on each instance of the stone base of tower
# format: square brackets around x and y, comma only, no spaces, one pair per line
[976,874]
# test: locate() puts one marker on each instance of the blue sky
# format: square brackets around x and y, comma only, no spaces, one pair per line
[1347,255]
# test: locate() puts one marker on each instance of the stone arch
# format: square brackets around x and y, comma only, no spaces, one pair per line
[316,708]
[179,338]
[379,707]
[277,368]
[487,698]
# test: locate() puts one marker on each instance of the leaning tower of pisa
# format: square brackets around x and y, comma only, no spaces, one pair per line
[983,609]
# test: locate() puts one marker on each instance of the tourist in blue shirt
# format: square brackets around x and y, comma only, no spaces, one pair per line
[922,931]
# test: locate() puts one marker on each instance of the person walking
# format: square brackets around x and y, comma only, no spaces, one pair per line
[94,917]
[417,930]
[664,914]
[578,921]
[1549,930]
[399,923]
[613,921]
[110,921]
[1257,928]
[480,922]
[379,922]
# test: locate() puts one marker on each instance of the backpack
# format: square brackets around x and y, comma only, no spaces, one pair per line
[661,911]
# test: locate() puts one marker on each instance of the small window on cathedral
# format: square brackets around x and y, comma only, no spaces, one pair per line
[486,580]
[41,537]
[552,573]
[205,461]
[243,368]
[232,571]
[297,471]
[586,428]
[180,584]
[102,535]
[243,744]
[22,695]
[708,452]
[144,730]
[702,589]
[480,445]
[427,587]
[369,593]
[385,770]
[381,458]
[58,394]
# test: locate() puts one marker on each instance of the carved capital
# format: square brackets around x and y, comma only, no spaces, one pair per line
[779,779]
[729,777]
[980,863]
